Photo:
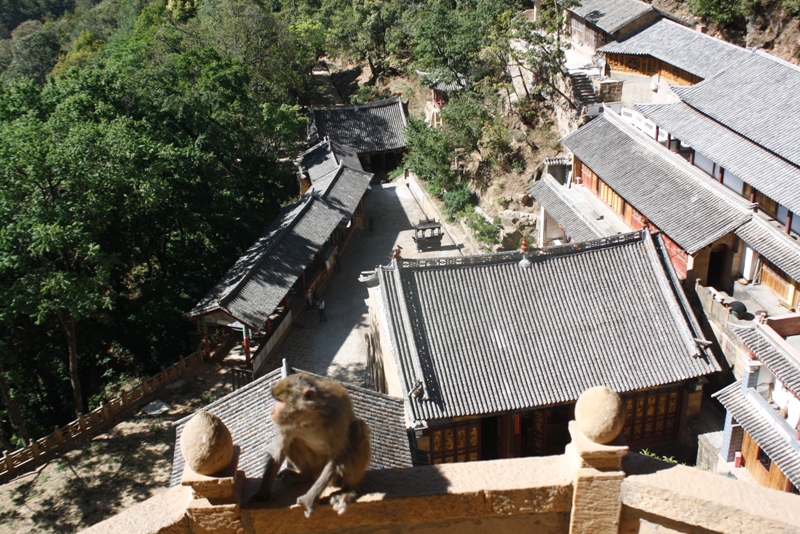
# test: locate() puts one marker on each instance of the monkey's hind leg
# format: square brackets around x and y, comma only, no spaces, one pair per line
[311,498]
[340,500]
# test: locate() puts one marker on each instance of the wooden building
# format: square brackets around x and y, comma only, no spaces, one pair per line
[595,23]
[489,353]
[763,408]
[265,288]
[375,131]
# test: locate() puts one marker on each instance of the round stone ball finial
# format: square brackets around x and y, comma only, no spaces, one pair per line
[206,444]
[600,414]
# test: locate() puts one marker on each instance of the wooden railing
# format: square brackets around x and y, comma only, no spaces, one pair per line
[95,422]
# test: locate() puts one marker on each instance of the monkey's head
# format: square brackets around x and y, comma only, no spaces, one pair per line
[302,399]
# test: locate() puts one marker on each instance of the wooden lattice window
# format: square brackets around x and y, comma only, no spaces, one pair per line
[457,442]
[611,198]
[652,416]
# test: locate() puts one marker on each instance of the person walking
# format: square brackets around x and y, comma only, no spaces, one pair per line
[310,301]
[321,310]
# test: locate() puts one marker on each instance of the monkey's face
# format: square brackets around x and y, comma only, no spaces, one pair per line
[295,400]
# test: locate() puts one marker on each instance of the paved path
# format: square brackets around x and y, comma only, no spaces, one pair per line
[338,348]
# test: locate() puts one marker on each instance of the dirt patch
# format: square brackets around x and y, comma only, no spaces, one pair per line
[105,475]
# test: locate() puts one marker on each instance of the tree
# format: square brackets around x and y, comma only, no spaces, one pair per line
[430,154]
[33,56]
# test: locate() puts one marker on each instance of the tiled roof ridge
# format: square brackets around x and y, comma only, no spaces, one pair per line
[533,254]
[555,186]
[757,347]
[220,301]
[676,89]
[675,22]
[367,105]
[226,296]
[774,232]
[324,141]
[700,178]
[645,8]
[763,53]
[673,294]
[408,333]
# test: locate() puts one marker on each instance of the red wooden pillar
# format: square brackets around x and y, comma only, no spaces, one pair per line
[691,156]
[269,327]
[753,193]
[246,343]
[789,217]
[721,174]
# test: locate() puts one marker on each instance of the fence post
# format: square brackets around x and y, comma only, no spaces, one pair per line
[183,364]
[58,435]
[125,398]
[164,377]
[34,448]
[81,422]
[145,387]
[104,411]
[8,462]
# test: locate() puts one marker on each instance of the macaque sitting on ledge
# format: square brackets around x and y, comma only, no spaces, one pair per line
[318,432]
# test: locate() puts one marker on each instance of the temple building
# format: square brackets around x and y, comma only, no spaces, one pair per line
[375,130]
[489,353]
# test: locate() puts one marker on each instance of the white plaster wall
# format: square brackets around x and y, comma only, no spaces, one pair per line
[781,396]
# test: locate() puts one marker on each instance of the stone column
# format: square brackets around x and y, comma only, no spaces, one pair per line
[211,469]
[596,454]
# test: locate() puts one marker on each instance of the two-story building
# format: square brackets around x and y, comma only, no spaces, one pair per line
[762,424]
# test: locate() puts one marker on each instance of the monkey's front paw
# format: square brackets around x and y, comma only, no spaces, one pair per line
[308,503]
[340,501]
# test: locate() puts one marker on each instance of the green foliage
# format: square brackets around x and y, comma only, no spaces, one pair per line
[485,232]
[369,93]
[34,56]
[431,152]
[464,118]
[650,454]
[458,200]
[719,11]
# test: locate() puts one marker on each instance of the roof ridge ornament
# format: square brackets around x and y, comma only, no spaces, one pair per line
[524,262]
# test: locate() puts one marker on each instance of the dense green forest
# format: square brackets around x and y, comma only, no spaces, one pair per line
[144,146]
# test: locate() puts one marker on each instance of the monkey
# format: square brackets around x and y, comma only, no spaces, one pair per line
[318,432]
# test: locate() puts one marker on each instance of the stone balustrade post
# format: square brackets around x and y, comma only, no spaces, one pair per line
[211,470]
[596,453]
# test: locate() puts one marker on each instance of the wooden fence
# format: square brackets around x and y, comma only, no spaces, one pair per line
[95,422]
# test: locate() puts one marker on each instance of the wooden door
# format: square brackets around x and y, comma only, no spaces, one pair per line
[456,442]
[652,416]
[774,279]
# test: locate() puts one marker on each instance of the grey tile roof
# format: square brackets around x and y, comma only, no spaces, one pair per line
[773,244]
[675,196]
[256,284]
[547,192]
[246,414]
[372,127]
[772,175]
[484,335]
[771,432]
[685,48]
[434,81]
[321,161]
[611,15]
[783,364]
[758,98]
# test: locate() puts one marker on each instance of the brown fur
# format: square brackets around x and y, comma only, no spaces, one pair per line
[318,432]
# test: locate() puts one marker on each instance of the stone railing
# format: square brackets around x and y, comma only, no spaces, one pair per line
[593,488]
[95,422]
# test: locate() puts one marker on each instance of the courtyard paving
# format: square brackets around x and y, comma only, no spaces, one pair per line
[338,348]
